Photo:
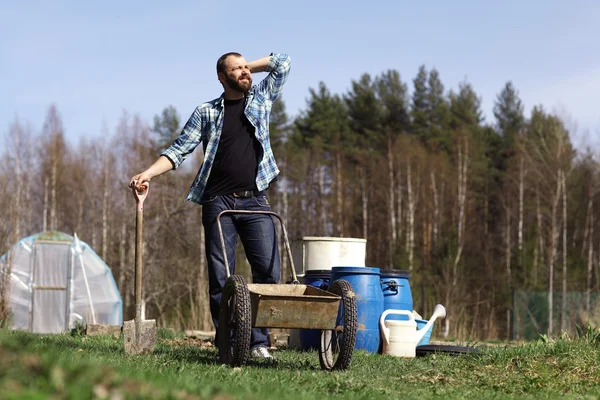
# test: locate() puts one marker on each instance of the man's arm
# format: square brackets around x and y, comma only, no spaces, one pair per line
[162,165]
[278,67]
[172,157]
[259,65]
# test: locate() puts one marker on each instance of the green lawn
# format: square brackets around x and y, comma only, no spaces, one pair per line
[80,367]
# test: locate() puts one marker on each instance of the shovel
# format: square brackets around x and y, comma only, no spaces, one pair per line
[139,336]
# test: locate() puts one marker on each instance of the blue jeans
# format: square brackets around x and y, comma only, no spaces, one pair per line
[257,233]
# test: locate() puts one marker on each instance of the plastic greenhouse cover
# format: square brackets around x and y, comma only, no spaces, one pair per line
[56,281]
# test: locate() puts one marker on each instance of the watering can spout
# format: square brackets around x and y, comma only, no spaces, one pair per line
[438,312]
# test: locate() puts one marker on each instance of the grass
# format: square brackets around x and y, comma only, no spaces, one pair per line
[80,367]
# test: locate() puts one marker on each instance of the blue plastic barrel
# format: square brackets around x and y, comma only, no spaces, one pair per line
[318,278]
[369,300]
[397,295]
[309,338]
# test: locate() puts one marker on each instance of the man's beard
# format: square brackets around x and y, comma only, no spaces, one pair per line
[240,86]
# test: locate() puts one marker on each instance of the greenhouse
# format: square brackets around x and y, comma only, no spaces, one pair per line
[56,282]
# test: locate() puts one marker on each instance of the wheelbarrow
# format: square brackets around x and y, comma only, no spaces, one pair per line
[286,306]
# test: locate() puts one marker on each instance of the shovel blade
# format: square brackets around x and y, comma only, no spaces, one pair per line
[139,337]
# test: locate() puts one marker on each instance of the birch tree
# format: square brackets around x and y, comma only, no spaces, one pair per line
[53,151]
[550,154]
[395,121]
[18,158]
[364,112]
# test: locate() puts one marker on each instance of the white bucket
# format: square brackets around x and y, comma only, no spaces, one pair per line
[321,253]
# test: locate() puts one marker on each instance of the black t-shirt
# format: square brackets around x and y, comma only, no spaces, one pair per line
[236,162]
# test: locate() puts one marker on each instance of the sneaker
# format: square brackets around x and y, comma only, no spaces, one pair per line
[261,352]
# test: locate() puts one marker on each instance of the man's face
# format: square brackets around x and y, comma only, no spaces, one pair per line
[237,75]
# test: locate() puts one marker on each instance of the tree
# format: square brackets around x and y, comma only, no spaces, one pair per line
[465,107]
[364,112]
[19,160]
[430,111]
[510,120]
[167,127]
[53,152]
[395,121]
[279,130]
[549,154]
[420,107]
[438,114]
[466,134]
[279,126]
[324,129]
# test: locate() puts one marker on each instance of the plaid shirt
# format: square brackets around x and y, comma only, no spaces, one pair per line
[206,123]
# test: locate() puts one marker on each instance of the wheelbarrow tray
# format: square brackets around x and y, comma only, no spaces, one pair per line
[293,306]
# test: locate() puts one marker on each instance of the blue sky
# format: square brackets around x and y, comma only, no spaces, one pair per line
[94,59]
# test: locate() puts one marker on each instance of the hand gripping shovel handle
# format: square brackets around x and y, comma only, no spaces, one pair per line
[140,196]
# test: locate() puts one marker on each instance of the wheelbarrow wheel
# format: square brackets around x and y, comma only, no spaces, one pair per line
[235,325]
[336,346]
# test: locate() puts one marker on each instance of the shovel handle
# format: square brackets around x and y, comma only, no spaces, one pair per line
[140,192]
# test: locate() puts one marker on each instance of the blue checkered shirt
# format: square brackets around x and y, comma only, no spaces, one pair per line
[206,123]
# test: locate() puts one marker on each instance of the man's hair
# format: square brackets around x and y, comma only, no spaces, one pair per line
[221,60]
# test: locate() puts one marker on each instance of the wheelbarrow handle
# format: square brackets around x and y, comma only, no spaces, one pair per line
[285,238]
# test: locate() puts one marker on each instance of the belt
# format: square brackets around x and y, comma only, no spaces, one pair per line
[246,193]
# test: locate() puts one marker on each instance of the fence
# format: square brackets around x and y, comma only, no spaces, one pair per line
[530,313]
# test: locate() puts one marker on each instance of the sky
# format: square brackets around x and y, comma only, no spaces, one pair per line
[95,59]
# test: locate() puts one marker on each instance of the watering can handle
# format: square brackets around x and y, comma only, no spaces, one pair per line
[397,312]
[385,332]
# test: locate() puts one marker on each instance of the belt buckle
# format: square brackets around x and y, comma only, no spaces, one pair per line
[244,195]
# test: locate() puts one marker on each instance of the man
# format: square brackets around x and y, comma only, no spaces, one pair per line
[238,167]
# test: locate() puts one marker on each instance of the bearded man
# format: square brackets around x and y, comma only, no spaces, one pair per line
[238,168]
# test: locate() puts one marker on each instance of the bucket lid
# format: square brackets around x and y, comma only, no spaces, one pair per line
[318,272]
[444,349]
[357,270]
[330,239]
[395,273]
